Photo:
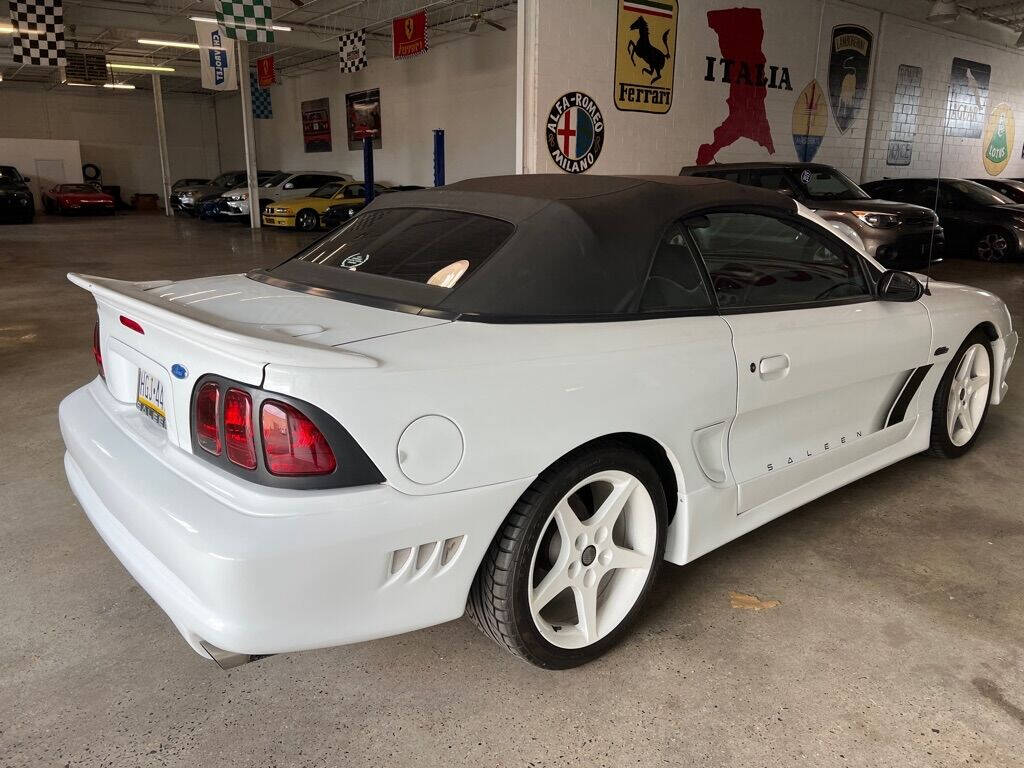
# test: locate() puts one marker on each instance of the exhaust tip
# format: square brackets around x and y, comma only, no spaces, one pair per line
[229,659]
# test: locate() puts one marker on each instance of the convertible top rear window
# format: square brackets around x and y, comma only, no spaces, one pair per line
[431,247]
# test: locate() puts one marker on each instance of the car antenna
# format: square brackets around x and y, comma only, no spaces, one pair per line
[935,210]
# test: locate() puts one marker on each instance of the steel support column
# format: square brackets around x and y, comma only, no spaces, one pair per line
[248,134]
[161,137]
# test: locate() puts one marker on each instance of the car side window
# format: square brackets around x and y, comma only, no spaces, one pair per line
[774,179]
[760,261]
[306,180]
[675,282]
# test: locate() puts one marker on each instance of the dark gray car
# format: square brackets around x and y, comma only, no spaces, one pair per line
[186,199]
[897,235]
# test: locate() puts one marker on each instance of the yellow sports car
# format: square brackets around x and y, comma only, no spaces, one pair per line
[304,212]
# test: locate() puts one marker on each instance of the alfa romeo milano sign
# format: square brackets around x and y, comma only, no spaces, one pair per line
[575,132]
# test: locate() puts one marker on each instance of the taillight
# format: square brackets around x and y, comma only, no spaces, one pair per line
[207,428]
[96,352]
[292,444]
[238,437]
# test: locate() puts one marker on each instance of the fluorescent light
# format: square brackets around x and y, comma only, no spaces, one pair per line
[7,29]
[81,85]
[120,86]
[168,43]
[207,20]
[141,67]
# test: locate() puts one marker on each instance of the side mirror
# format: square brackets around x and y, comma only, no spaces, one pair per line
[289,185]
[894,285]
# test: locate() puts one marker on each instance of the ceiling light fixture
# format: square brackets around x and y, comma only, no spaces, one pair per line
[81,85]
[120,86]
[168,43]
[140,67]
[208,20]
[944,12]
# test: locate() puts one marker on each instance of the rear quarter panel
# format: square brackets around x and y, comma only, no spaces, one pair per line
[525,395]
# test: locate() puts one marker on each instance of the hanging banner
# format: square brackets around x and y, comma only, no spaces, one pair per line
[250,20]
[316,125]
[216,58]
[38,29]
[262,107]
[352,51]
[409,35]
[265,71]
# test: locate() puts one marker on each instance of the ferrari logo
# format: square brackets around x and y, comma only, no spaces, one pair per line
[644,55]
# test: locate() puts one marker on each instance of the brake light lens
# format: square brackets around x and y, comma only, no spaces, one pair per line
[292,444]
[238,435]
[96,352]
[207,428]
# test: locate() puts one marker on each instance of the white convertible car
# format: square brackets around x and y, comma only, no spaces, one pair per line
[511,396]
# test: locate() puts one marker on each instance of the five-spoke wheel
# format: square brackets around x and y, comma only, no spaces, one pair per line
[572,564]
[962,398]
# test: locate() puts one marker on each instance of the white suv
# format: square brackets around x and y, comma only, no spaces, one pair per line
[285,184]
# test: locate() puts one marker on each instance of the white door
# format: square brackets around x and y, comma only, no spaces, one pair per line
[48,173]
[820,361]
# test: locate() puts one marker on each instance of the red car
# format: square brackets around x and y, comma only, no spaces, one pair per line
[68,198]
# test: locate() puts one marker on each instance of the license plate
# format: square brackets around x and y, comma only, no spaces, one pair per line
[150,397]
[276,222]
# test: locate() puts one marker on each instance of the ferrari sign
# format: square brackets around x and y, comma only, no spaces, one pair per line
[644,46]
[409,35]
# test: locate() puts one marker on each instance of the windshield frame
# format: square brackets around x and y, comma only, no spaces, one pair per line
[851,185]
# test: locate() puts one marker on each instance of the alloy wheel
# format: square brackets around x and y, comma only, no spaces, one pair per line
[307,221]
[968,395]
[992,247]
[592,559]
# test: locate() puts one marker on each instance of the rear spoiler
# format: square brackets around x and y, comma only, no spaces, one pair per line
[236,339]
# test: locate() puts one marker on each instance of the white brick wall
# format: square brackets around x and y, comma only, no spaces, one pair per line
[576,49]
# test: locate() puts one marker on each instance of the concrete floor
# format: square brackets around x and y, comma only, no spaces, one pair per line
[898,640]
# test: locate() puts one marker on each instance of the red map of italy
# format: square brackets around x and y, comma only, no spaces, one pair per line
[740,34]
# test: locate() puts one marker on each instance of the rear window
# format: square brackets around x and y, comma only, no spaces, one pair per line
[430,247]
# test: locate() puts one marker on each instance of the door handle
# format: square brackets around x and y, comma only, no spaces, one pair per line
[773,367]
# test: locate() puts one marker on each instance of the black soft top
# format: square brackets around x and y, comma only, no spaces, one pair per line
[581,247]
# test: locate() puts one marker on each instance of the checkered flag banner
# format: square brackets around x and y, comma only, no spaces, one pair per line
[246,19]
[262,108]
[352,51]
[38,32]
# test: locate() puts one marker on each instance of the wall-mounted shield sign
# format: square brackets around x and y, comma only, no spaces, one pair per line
[644,49]
[810,119]
[998,139]
[968,97]
[575,132]
[848,65]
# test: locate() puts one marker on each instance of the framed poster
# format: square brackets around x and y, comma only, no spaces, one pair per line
[362,114]
[906,104]
[316,125]
[968,98]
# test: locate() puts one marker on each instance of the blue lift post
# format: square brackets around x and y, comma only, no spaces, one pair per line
[438,157]
[368,168]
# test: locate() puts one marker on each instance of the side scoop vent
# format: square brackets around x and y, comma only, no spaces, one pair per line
[431,558]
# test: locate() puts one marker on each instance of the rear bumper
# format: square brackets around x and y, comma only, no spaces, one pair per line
[259,570]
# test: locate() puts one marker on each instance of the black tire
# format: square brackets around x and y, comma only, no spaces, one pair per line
[995,245]
[498,600]
[307,220]
[942,444]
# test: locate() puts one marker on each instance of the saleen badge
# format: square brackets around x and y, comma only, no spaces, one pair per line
[355,261]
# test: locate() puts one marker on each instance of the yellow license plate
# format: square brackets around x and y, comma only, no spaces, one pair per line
[276,222]
[150,397]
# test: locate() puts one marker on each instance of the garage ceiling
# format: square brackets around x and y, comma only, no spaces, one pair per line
[114,26]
